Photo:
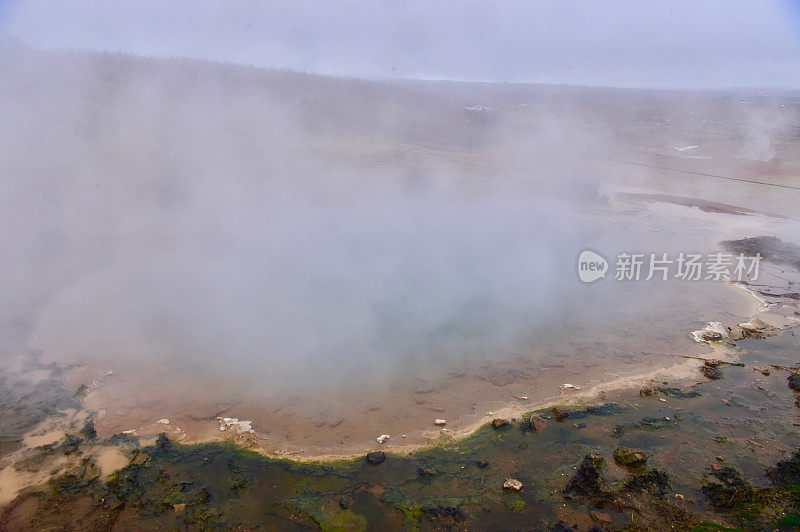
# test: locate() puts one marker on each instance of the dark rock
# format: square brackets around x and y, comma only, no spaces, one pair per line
[71,444]
[481,463]
[786,472]
[726,489]
[678,393]
[561,526]
[771,248]
[646,423]
[537,423]
[606,409]
[654,481]
[711,371]
[712,336]
[754,334]
[88,431]
[628,457]
[376,457]
[586,480]
[445,516]
[794,383]
[427,471]
[163,442]
[499,423]
[601,517]
[668,391]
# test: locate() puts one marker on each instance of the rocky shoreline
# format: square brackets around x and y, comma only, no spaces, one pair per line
[665,458]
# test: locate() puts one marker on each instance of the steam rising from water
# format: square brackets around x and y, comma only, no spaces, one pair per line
[289,230]
[285,285]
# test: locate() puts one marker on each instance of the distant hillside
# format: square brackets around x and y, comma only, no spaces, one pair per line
[442,115]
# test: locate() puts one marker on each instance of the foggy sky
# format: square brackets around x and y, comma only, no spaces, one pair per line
[676,43]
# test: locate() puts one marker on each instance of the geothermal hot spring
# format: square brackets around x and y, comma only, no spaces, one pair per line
[198,241]
[332,312]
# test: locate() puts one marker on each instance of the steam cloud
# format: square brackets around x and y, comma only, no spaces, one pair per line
[277,227]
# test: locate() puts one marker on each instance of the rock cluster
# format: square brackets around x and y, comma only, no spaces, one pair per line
[628,457]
